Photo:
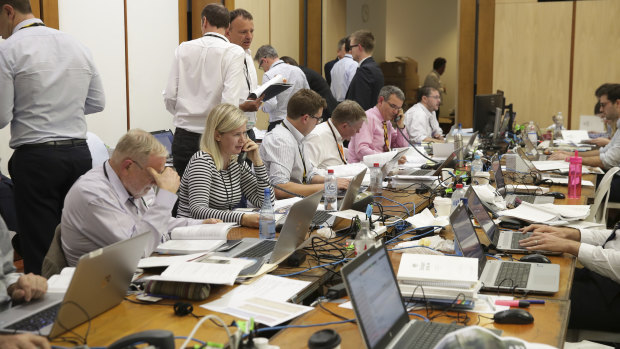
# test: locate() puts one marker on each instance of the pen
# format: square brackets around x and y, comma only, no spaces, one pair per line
[536,301]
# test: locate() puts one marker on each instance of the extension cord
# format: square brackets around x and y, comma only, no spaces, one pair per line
[379,229]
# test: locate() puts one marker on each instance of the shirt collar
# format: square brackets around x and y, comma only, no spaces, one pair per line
[425,108]
[348,55]
[25,23]
[299,137]
[216,34]
[116,183]
[333,127]
[362,61]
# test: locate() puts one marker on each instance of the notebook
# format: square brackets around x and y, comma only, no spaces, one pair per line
[501,240]
[500,184]
[499,275]
[381,314]
[100,282]
[321,216]
[292,236]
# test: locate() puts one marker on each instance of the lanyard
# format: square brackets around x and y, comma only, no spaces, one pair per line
[303,180]
[386,146]
[215,36]
[340,150]
[35,24]
[247,75]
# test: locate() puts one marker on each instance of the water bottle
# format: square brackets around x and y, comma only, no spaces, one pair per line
[331,191]
[458,145]
[376,180]
[531,133]
[476,165]
[559,125]
[574,177]
[266,220]
[363,239]
[457,195]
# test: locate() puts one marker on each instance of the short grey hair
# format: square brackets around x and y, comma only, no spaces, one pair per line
[137,145]
[265,51]
[348,111]
[388,90]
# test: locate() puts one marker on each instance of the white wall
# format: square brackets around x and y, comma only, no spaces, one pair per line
[370,15]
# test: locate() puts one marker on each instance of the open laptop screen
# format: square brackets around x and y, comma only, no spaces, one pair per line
[481,215]
[164,137]
[466,237]
[375,296]
[500,184]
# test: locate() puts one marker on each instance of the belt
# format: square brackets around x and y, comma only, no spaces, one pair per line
[61,143]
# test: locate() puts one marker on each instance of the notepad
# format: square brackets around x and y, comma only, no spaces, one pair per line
[438,271]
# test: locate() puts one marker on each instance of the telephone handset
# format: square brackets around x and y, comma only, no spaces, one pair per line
[160,339]
[241,157]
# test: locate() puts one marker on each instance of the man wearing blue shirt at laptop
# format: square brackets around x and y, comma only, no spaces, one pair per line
[18,288]
[595,295]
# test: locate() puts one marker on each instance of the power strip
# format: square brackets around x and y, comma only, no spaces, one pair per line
[380,229]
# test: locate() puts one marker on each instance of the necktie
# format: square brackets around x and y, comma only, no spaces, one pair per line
[613,234]
[341,151]
[386,146]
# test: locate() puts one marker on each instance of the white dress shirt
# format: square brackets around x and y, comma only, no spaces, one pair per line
[249,71]
[603,261]
[342,73]
[205,72]
[421,123]
[276,107]
[48,82]
[8,275]
[282,151]
[98,212]
[610,154]
[321,146]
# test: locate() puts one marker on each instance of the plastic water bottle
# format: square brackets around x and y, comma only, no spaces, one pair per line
[266,220]
[457,195]
[458,145]
[476,165]
[574,177]
[531,133]
[559,125]
[331,191]
[363,239]
[376,180]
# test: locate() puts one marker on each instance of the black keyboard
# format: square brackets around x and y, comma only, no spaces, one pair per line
[263,248]
[513,275]
[518,236]
[320,217]
[425,334]
[37,321]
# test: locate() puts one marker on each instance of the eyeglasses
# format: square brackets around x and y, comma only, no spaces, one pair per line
[260,64]
[435,97]
[393,106]
[354,45]
[604,104]
[319,119]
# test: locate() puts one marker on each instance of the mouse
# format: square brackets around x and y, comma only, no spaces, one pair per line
[556,194]
[513,316]
[535,258]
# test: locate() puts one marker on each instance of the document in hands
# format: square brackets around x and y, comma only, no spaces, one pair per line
[271,88]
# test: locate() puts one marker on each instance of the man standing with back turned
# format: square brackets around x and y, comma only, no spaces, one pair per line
[368,79]
[49,82]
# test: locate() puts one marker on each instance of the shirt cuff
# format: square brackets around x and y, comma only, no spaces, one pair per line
[585,253]
[165,198]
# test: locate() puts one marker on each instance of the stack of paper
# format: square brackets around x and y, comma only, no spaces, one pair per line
[438,277]
[209,270]
[547,213]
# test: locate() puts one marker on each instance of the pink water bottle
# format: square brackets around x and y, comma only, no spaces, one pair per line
[574,177]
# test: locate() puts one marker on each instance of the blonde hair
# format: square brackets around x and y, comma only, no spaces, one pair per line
[222,119]
[137,145]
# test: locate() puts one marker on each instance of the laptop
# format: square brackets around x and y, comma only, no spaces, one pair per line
[165,137]
[549,178]
[531,149]
[100,282]
[500,184]
[501,240]
[499,275]
[321,216]
[381,314]
[435,173]
[292,236]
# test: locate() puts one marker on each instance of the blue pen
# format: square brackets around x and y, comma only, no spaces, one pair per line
[536,301]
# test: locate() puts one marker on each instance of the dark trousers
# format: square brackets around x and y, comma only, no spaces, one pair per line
[595,302]
[184,145]
[42,176]
[273,124]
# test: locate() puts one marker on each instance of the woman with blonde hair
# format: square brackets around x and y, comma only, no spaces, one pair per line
[214,181]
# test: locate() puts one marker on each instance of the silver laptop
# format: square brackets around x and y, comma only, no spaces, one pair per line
[393,162]
[500,184]
[323,217]
[292,236]
[547,177]
[499,275]
[100,282]
[501,240]
[531,149]
[435,173]
[381,314]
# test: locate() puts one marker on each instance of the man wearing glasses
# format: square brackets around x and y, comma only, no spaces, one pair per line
[268,60]
[421,120]
[116,200]
[282,149]
[377,134]
[368,79]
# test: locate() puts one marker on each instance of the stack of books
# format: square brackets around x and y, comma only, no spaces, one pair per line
[438,278]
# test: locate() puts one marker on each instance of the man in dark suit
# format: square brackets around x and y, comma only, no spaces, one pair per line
[318,85]
[368,79]
[329,65]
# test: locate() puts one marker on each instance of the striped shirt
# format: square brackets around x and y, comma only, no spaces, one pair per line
[206,192]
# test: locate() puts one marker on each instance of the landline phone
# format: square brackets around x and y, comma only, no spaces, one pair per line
[160,339]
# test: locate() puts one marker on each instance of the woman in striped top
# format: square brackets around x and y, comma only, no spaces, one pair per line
[214,181]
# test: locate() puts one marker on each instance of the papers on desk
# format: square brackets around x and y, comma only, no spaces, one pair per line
[158,262]
[218,231]
[211,270]
[427,219]
[59,283]
[564,181]
[349,214]
[575,136]
[561,166]
[188,246]
[270,307]
[547,213]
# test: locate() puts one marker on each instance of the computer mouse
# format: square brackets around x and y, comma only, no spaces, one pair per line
[513,316]
[556,195]
[535,258]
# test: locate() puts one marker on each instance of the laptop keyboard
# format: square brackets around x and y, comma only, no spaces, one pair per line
[421,173]
[425,334]
[518,236]
[320,217]
[263,248]
[513,275]
[37,321]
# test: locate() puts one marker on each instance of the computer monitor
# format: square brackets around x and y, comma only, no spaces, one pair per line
[484,113]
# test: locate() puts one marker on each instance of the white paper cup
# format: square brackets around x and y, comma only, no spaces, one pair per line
[442,206]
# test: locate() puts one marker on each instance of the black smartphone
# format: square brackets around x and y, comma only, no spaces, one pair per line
[241,157]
